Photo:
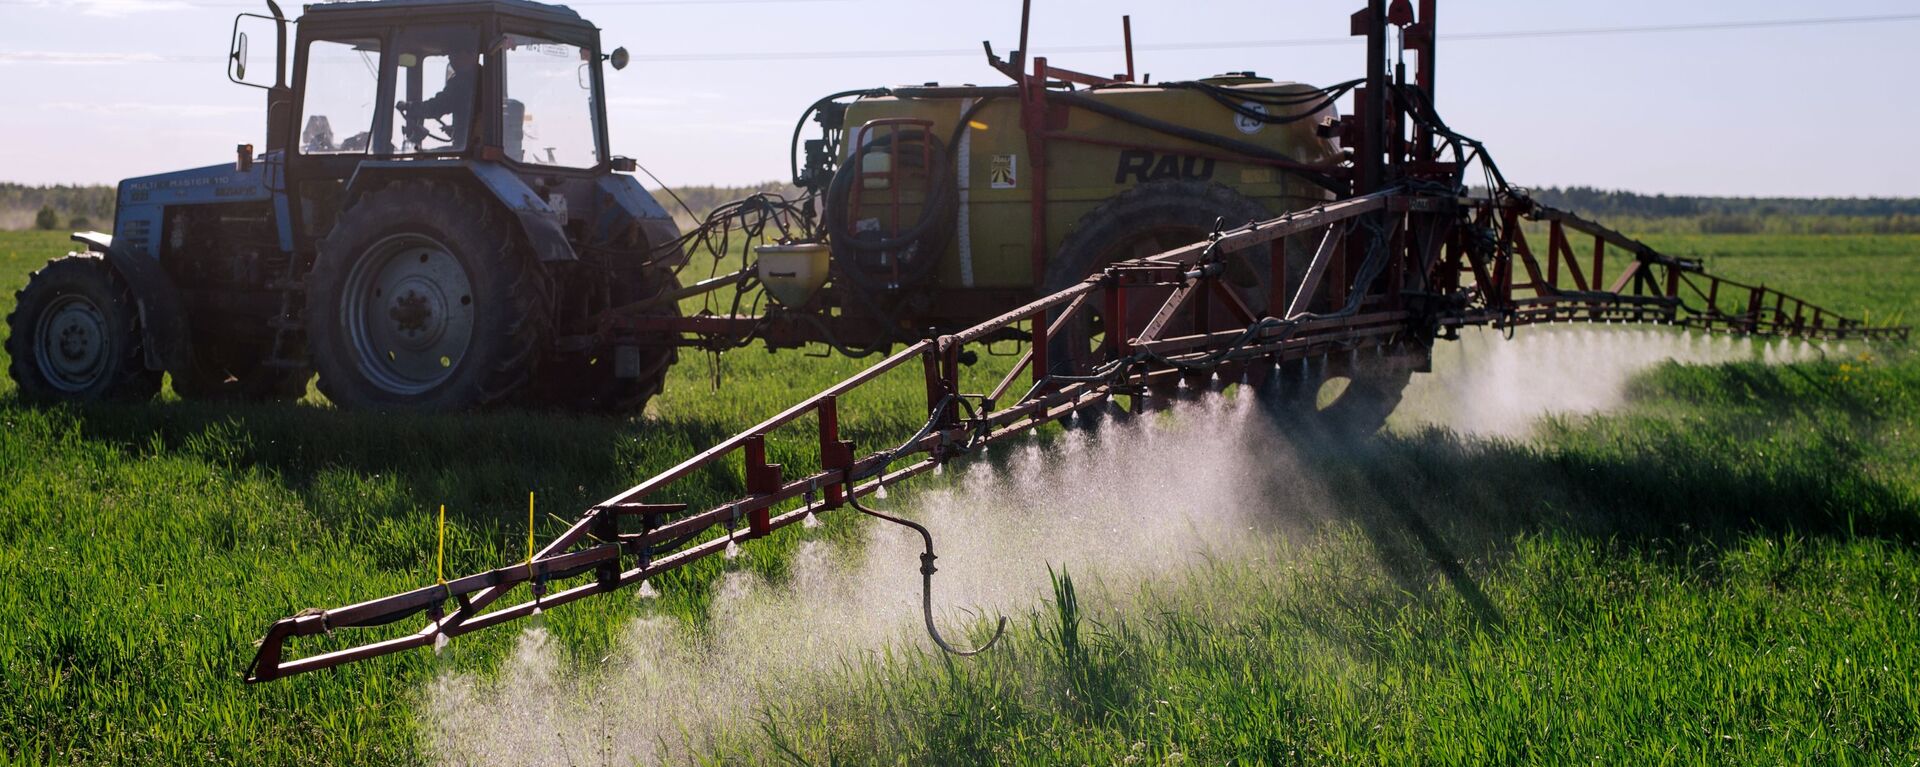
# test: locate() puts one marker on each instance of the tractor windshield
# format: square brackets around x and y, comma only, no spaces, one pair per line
[549,103]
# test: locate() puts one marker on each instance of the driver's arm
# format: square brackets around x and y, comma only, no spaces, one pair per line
[441,104]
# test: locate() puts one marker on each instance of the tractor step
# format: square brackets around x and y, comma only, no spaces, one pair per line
[296,286]
[287,323]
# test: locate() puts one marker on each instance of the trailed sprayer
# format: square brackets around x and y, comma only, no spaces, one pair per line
[1130,243]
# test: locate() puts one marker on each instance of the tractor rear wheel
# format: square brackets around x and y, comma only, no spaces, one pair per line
[590,382]
[74,334]
[423,298]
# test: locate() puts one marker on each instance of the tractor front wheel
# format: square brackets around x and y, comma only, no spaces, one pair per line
[423,298]
[74,334]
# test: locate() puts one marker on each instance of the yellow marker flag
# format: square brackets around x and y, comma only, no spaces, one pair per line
[529,533]
[440,562]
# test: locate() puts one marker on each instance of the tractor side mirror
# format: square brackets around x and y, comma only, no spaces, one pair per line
[619,58]
[240,69]
[237,59]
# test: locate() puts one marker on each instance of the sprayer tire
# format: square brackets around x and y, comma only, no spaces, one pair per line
[74,334]
[1375,383]
[1150,218]
[475,276]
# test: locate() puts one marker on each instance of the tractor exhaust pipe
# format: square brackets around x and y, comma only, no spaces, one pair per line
[279,97]
[280,45]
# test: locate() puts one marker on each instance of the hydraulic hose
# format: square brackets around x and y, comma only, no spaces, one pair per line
[793,146]
[926,582]
[1202,137]
[934,213]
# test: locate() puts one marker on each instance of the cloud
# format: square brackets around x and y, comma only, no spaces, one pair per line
[663,100]
[110,7]
[96,58]
[150,110]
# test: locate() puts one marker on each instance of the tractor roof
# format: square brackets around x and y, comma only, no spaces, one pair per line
[510,7]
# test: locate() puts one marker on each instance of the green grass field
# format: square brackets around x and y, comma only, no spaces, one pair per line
[1724,573]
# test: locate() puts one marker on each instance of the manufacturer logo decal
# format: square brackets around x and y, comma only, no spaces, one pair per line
[1141,166]
[1005,173]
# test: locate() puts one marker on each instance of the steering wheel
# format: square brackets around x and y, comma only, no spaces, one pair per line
[423,132]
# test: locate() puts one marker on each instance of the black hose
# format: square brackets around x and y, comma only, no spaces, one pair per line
[793,147]
[1217,141]
[939,194]
[935,210]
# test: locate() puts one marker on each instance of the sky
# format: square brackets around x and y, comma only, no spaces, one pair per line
[99,90]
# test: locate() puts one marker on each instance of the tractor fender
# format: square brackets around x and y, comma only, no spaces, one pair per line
[539,222]
[163,316]
[627,204]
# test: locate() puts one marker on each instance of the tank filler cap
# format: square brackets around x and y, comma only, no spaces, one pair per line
[1238,78]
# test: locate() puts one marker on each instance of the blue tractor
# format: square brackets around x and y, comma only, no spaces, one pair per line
[436,223]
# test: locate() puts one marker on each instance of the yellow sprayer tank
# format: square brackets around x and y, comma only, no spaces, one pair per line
[1092,157]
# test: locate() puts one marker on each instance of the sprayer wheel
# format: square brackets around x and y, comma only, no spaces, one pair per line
[1348,395]
[1148,219]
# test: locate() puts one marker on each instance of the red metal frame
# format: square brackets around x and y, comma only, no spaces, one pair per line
[1653,288]
[862,137]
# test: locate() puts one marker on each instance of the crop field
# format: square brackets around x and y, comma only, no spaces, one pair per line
[1722,570]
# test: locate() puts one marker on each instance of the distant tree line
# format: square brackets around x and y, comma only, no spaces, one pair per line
[1740,215]
[703,199]
[55,207]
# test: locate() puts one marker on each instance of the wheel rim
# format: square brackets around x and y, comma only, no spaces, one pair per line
[408,311]
[72,343]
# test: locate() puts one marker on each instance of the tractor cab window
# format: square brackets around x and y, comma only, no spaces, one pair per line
[438,84]
[343,82]
[549,111]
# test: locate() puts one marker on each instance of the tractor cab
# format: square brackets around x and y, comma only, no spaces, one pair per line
[506,80]
[500,81]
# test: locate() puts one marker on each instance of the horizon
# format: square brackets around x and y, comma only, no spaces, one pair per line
[1641,96]
[770,183]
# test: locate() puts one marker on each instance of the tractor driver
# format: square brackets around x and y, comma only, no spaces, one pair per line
[452,106]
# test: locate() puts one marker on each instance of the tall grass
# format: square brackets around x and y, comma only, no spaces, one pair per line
[1727,575]
[1711,579]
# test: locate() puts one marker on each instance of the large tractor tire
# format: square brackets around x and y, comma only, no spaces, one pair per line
[590,382]
[422,297]
[230,372]
[74,334]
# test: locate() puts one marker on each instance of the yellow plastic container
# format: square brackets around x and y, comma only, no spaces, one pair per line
[793,273]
